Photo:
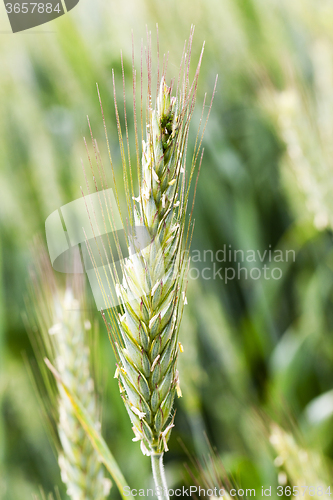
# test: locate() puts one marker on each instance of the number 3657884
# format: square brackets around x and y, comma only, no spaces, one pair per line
[30,8]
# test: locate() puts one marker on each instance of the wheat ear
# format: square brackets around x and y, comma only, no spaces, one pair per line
[153,285]
[151,292]
[81,469]
[63,330]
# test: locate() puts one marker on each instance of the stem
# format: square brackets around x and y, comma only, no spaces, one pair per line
[159,476]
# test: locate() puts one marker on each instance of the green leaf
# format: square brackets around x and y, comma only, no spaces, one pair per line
[96,439]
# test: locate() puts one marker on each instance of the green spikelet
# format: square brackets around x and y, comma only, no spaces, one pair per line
[152,290]
[80,467]
[60,332]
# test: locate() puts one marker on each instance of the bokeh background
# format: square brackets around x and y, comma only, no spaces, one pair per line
[257,367]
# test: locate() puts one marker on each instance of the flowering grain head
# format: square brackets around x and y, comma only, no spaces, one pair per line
[151,287]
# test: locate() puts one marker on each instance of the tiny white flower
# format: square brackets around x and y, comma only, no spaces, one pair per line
[144,449]
[137,412]
[137,433]
[163,434]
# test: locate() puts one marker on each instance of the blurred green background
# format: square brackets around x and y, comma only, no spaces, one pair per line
[255,351]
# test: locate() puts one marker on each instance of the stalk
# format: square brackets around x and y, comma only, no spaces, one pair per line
[159,476]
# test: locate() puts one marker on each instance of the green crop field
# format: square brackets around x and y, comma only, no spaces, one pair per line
[256,357]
